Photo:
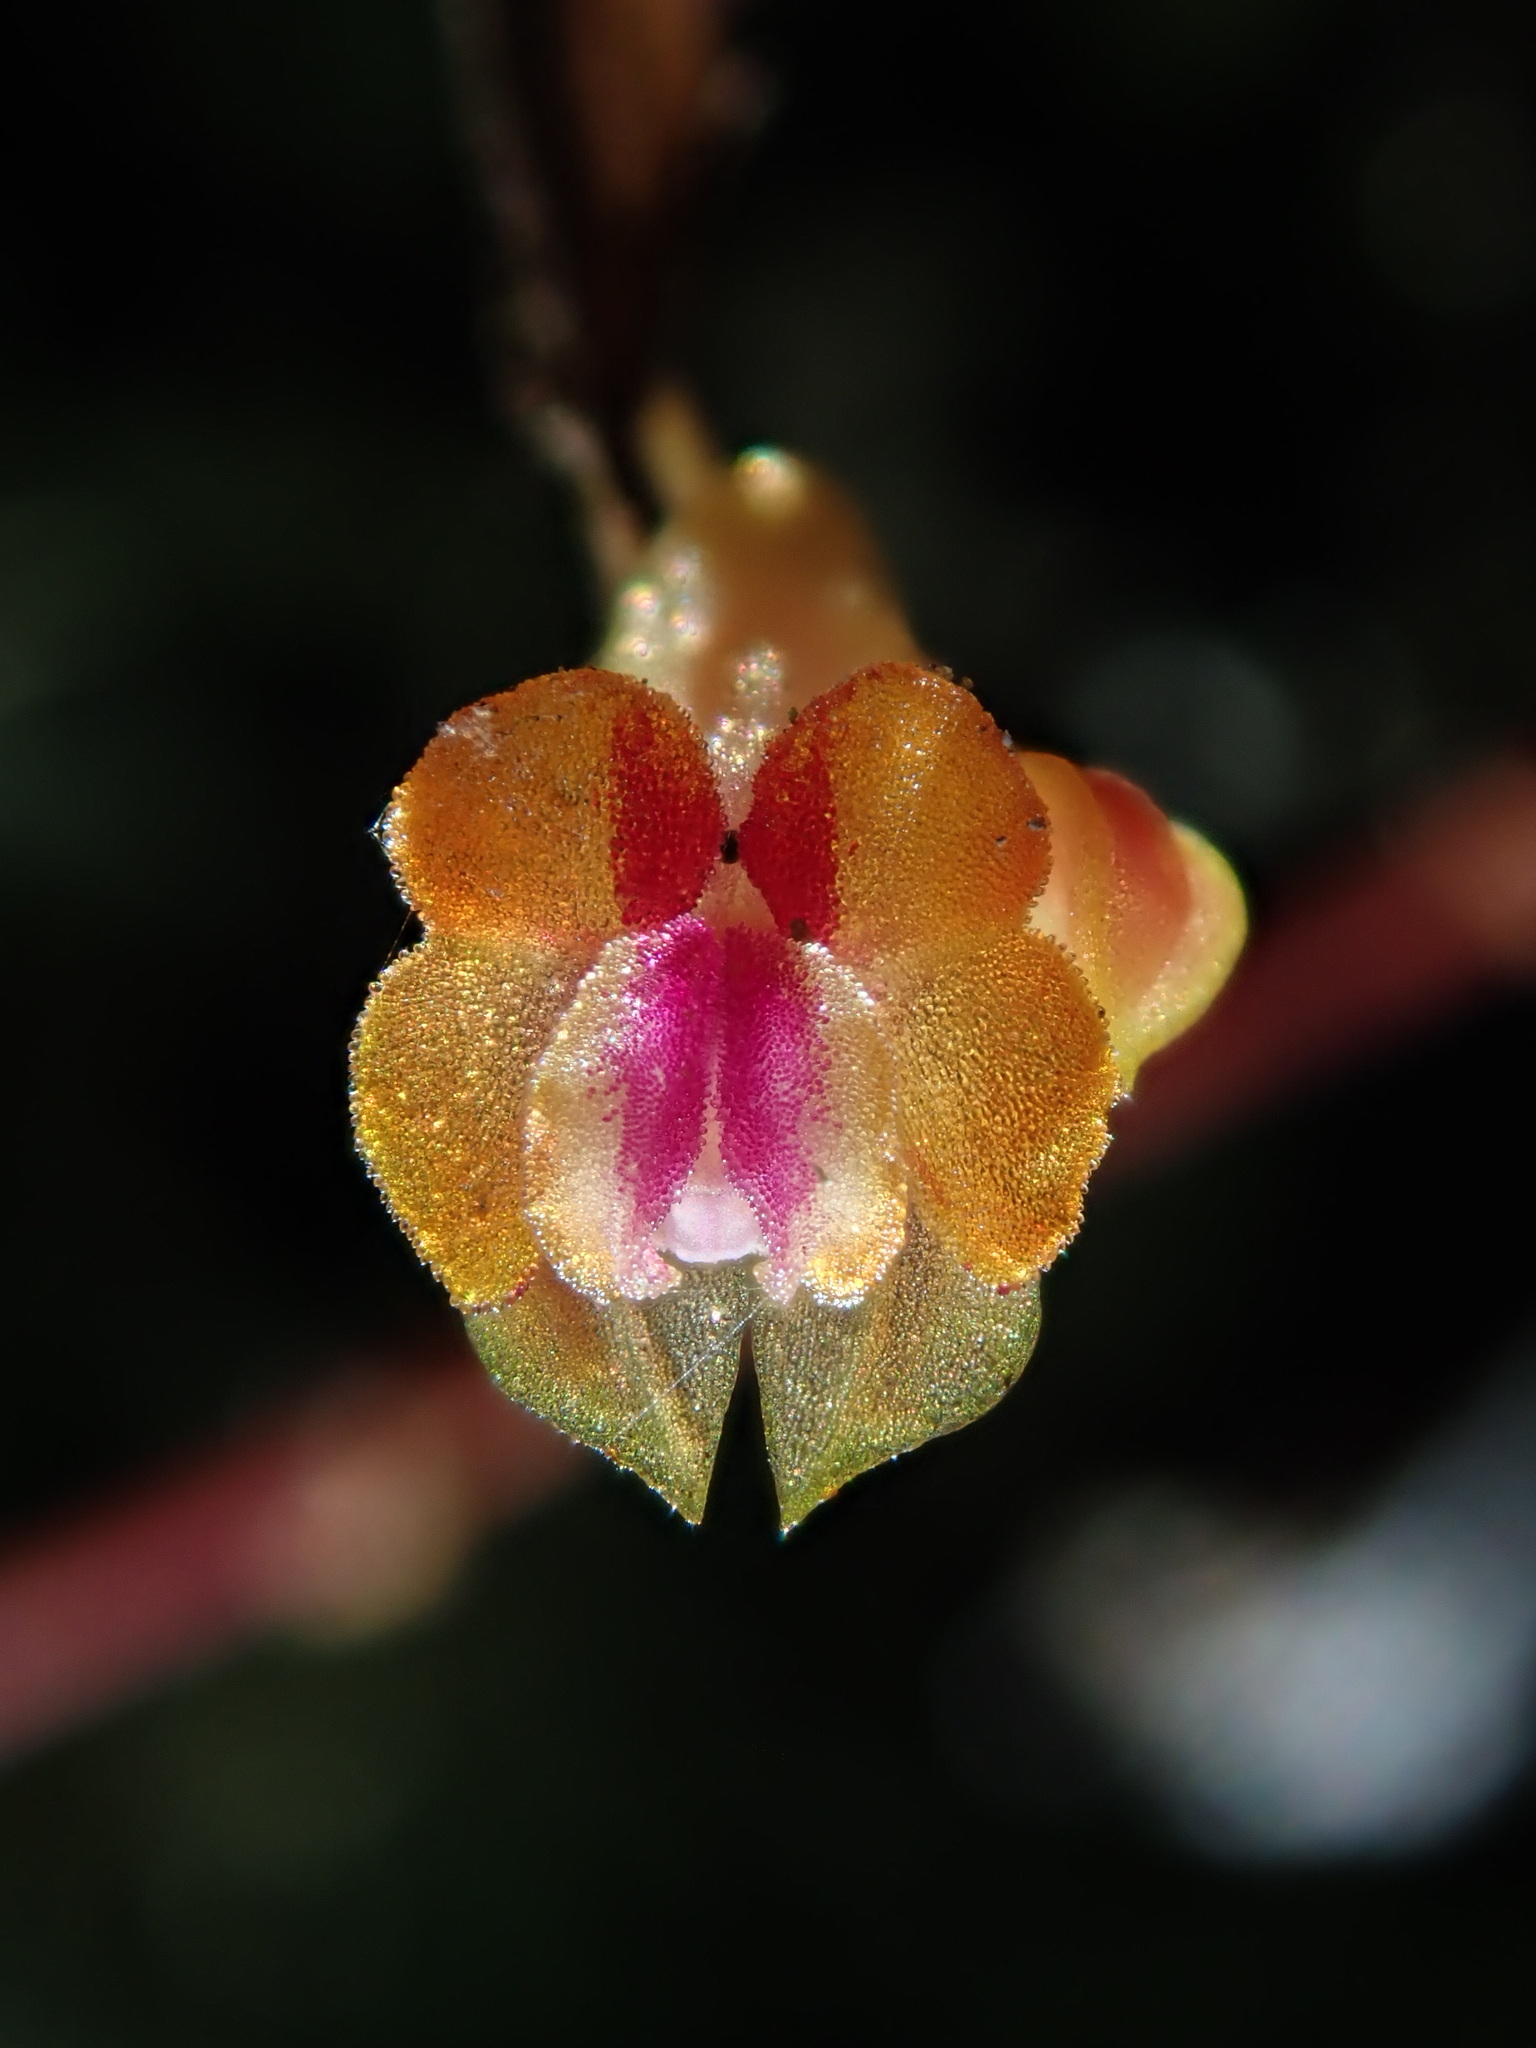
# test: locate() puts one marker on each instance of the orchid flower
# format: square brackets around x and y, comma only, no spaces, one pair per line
[766,992]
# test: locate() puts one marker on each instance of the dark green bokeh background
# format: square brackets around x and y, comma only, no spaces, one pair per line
[1182,353]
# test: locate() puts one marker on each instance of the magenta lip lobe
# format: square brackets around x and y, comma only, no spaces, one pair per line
[771,1071]
[664,1065]
[723,1021]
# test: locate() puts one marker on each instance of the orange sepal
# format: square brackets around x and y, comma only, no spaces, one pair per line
[441,1062]
[891,816]
[1004,1078]
[564,811]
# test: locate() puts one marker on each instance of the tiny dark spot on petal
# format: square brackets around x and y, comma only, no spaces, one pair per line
[729,851]
[1037,824]
[799,929]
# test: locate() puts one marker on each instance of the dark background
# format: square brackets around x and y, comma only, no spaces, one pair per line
[1182,355]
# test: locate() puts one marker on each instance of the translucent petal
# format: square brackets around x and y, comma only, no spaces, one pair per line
[928,1350]
[617,1106]
[1148,909]
[892,815]
[566,810]
[646,1383]
[1076,907]
[1198,964]
[763,590]
[441,1060]
[1004,1077]
[807,1116]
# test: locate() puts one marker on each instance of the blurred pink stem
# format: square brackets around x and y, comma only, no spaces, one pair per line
[1368,957]
[336,1520]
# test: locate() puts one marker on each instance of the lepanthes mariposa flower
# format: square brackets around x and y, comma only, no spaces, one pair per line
[798,1023]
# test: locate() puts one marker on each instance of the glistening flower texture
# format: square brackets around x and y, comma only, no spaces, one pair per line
[835,1073]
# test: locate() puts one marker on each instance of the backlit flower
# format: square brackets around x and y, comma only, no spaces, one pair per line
[797,1018]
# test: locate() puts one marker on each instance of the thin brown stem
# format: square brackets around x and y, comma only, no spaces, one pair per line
[592,125]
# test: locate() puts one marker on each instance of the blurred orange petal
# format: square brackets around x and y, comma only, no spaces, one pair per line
[1149,910]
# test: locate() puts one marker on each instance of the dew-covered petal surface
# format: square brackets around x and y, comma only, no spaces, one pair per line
[1148,909]
[617,1107]
[569,809]
[807,1116]
[929,1349]
[441,1062]
[892,815]
[646,1383]
[1004,1077]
